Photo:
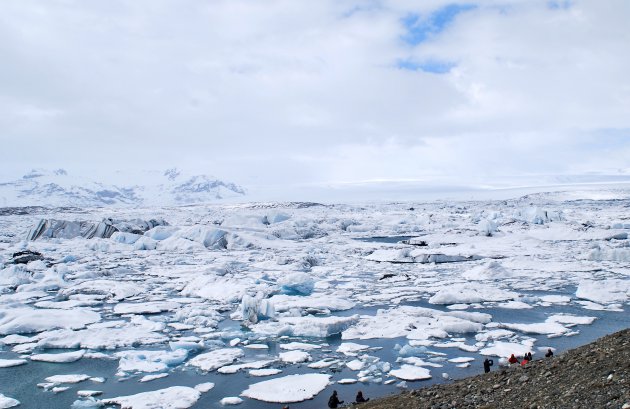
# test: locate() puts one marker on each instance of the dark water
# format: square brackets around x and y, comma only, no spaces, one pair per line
[20,382]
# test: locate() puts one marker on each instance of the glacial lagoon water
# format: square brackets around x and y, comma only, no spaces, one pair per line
[21,382]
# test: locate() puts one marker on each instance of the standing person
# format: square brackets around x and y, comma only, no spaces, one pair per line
[513,360]
[334,401]
[487,364]
[360,398]
[549,353]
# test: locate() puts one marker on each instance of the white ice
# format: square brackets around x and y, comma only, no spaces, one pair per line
[288,389]
[175,397]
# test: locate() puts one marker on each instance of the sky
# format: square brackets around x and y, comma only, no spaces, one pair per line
[308,93]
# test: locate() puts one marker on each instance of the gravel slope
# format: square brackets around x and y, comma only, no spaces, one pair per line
[596,375]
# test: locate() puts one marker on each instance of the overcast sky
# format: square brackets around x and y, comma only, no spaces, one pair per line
[300,92]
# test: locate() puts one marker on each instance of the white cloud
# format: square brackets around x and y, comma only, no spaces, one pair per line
[300,92]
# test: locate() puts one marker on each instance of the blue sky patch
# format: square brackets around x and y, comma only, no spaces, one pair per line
[559,4]
[422,27]
[430,66]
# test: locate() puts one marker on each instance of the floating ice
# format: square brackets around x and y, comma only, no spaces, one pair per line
[411,373]
[204,387]
[505,349]
[64,357]
[470,293]
[149,361]
[296,284]
[288,389]
[351,348]
[8,363]
[294,357]
[308,326]
[231,400]
[492,270]
[71,378]
[291,346]
[6,402]
[605,291]
[149,378]
[229,369]
[153,307]
[175,397]
[23,320]
[255,309]
[215,359]
[264,372]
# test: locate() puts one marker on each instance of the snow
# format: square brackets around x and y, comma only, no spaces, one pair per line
[288,389]
[411,373]
[212,360]
[175,397]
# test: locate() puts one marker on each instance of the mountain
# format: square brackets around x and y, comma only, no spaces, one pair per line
[55,188]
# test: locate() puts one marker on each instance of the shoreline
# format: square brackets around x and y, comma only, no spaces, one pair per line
[595,375]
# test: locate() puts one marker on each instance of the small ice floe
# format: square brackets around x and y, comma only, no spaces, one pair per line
[65,357]
[471,293]
[324,363]
[413,360]
[6,402]
[151,307]
[215,359]
[461,360]
[59,389]
[175,397]
[347,381]
[230,369]
[88,393]
[351,348]
[70,378]
[264,372]
[25,320]
[308,326]
[256,346]
[149,361]
[231,400]
[7,363]
[288,389]
[89,403]
[291,346]
[355,365]
[505,349]
[411,373]
[149,378]
[608,291]
[204,387]
[294,357]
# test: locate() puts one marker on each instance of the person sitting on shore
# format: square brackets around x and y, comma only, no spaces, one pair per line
[529,357]
[549,353]
[524,361]
[334,401]
[487,364]
[513,360]
[360,398]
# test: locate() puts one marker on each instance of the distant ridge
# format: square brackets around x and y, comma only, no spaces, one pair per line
[41,187]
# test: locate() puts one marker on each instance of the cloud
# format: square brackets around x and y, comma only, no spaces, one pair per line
[293,93]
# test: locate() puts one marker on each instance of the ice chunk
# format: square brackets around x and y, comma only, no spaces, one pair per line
[296,284]
[64,357]
[505,349]
[7,363]
[605,291]
[292,346]
[347,381]
[23,320]
[229,369]
[71,378]
[88,393]
[152,307]
[288,389]
[149,378]
[175,397]
[308,326]
[231,400]
[150,361]
[125,238]
[492,270]
[294,357]
[6,402]
[255,309]
[470,293]
[204,387]
[411,373]
[215,359]
[161,232]
[264,372]
[351,348]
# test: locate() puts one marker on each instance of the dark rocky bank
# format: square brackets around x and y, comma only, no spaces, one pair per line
[596,375]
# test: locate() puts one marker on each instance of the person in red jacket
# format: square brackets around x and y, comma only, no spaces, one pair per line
[513,360]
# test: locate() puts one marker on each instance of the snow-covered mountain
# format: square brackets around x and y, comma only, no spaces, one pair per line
[59,188]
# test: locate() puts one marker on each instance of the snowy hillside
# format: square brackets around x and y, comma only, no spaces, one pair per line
[59,188]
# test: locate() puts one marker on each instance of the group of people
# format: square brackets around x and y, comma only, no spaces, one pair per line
[334,401]
[487,363]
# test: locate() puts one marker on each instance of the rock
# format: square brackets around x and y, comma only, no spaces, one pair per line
[523,378]
[26,256]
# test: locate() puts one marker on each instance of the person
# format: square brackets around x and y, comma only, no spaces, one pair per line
[549,353]
[524,361]
[360,398]
[529,356]
[487,364]
[513,360]
[334,401]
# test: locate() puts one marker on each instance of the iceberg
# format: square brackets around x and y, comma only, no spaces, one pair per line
[288,389]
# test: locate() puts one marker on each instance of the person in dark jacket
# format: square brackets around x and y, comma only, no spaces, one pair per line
[528,356]
[487,364]
[334,401]
[549,353]
[360,398]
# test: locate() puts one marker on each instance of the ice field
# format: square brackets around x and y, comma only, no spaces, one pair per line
[262,304]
